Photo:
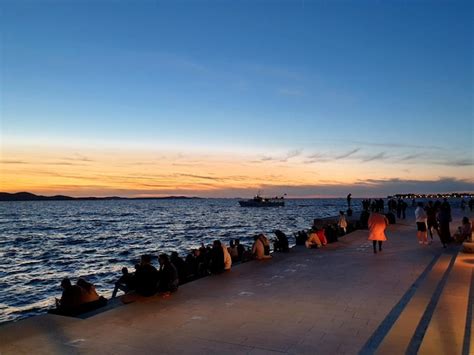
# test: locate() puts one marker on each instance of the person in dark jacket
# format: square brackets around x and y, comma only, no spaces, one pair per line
[180,266]
[70,298]
[146,277]
[444,218]
[169,279]
[216,265]
[432,223]
[281,242]
[240,249]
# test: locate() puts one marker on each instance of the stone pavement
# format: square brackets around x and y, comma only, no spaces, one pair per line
[341,299]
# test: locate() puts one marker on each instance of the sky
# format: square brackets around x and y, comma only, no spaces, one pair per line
[227,98]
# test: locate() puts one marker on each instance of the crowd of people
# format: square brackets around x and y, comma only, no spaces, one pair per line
[436,217]
[146,280]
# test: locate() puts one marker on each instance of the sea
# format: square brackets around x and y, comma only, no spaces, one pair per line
[42,242]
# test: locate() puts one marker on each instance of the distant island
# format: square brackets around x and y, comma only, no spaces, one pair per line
[27,196]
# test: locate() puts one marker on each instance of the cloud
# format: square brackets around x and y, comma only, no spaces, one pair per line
[7,161]
[201,177]
[289,155]
[409,157]
[379,156]
[78,157]
[346,155]
[396,145]
[372,187]
[458,162]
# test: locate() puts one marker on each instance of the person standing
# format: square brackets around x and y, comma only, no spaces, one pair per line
[342,222]
[349,198]
[404,209]
[444,218]
[399,208]
[421,219]
[431,218]
[377,225]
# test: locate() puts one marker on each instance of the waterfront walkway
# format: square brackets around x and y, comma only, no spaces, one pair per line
[342,299]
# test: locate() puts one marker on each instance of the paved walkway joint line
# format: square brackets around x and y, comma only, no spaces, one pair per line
[425,320]
[377,337]
[468,331]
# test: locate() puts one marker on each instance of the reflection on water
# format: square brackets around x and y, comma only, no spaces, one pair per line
[43,241]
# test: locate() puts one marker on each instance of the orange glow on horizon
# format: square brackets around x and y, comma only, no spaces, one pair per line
[138,173]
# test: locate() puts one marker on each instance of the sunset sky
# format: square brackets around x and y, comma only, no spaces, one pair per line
[225,98]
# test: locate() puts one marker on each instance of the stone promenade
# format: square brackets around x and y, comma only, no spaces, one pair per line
[341,299]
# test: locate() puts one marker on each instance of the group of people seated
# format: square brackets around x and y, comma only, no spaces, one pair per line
[146,280]
[79,298]
[323,232]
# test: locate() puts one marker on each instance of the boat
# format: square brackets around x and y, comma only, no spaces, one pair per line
[259,201]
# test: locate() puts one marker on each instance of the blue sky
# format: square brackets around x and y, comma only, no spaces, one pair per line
[262,76]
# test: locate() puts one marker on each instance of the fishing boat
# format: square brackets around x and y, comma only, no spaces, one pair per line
[259,201]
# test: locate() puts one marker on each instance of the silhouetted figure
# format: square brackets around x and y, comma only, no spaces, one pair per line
[301,237]
[444,218]
[471,204]
[281,242]
[168,275]
[431,221]
[70,298]
[124,283]
[180,266]
[146,277]
[377,225]
[331,233]
[364,219]
[399,208]
[404,209]
[349,198]
[447,207]
[191,266]
[202,262]
[233,251]
[217,258]
[240,249]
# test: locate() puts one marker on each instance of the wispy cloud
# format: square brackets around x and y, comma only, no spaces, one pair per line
[346,155]
[7,161]
[379,156]
[78,157]
[409,157]
[396,145]
[458,162]
[291,154]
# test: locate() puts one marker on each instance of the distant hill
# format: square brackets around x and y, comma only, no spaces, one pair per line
[27,196]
